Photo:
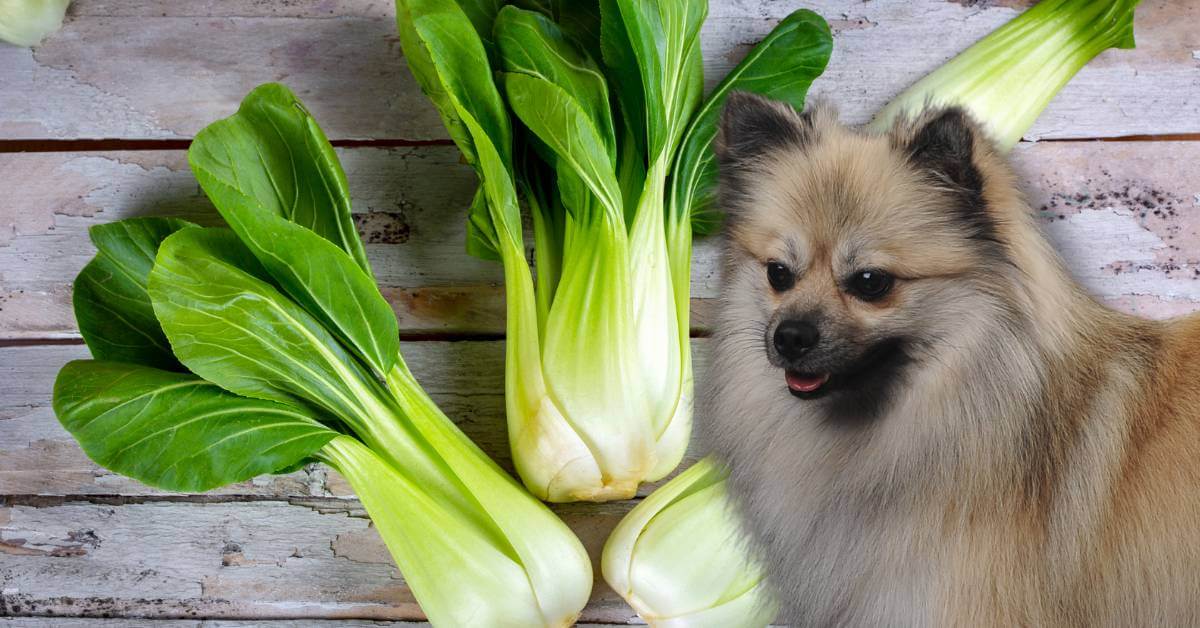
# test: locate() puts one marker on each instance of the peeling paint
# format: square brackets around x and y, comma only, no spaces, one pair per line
[847,23]
[988,4]
[315,556]
[382,227]
[16,542]
[362,546]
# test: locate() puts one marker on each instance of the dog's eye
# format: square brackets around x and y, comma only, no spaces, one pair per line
[780,277]
[869,285]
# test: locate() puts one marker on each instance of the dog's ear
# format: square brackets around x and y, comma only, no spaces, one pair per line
[752,126]
[943,145]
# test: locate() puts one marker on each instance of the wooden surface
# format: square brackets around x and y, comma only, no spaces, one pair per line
[93,124]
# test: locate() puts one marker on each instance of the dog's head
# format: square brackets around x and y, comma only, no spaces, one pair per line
[852,257]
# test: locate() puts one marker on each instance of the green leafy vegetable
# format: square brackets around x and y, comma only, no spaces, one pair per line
[271,159]
[293,356]
[176,430]
[679,560]
[1006,79]
[609,146]
[228,324]
[782,67]
[111,304]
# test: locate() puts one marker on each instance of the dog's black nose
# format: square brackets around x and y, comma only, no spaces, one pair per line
[794,337]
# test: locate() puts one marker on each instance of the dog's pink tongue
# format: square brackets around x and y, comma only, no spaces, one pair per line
[805,383]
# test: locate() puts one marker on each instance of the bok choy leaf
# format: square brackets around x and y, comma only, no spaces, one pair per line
[112,308]
[176,430]
[592,113]
[292,355]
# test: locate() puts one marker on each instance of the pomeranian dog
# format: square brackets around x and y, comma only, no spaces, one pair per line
[927,422]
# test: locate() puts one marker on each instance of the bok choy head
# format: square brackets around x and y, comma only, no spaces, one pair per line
[27,22]
[1006,79]
[221,354]
[592,114]
[680,560]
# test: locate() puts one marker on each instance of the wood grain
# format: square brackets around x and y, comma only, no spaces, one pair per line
[77,540]
[38,457]
[299,559]
[90,622]
[148,69]
[124,622]
[79,544]
[409,202]
[410,207]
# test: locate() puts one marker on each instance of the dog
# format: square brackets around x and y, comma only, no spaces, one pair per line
[927,422]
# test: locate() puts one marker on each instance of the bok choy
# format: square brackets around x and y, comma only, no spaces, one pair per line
[592,114]
[1006,79]
[27,22]
[680,560]
[221,354]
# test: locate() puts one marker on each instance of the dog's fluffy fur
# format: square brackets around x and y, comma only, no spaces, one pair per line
[1001,449]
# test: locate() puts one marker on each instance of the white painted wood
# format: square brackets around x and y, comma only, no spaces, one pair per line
[74,622]
[294,546]
[38,457]
[163,70]
[78,542]
[319,559]
[1125,216]
[71,622]
[410,202]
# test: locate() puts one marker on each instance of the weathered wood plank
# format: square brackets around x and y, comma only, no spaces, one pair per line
[38,457]
[319,559]
[125,622]
[410,203]
[162,70]
[297,547]
[90,622]
[93,622]
[392,188]
[1125,216]
[140,552]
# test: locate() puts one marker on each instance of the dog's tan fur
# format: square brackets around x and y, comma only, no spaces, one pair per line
[1038,462]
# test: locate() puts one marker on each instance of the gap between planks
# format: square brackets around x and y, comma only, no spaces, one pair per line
[90,621]
[332,503]
[100,145]
[422,337]
[114,144]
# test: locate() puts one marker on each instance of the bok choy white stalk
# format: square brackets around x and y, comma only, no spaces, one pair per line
[221,354]
[591,112]
[680,560]
[27,22]
[1006,79]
